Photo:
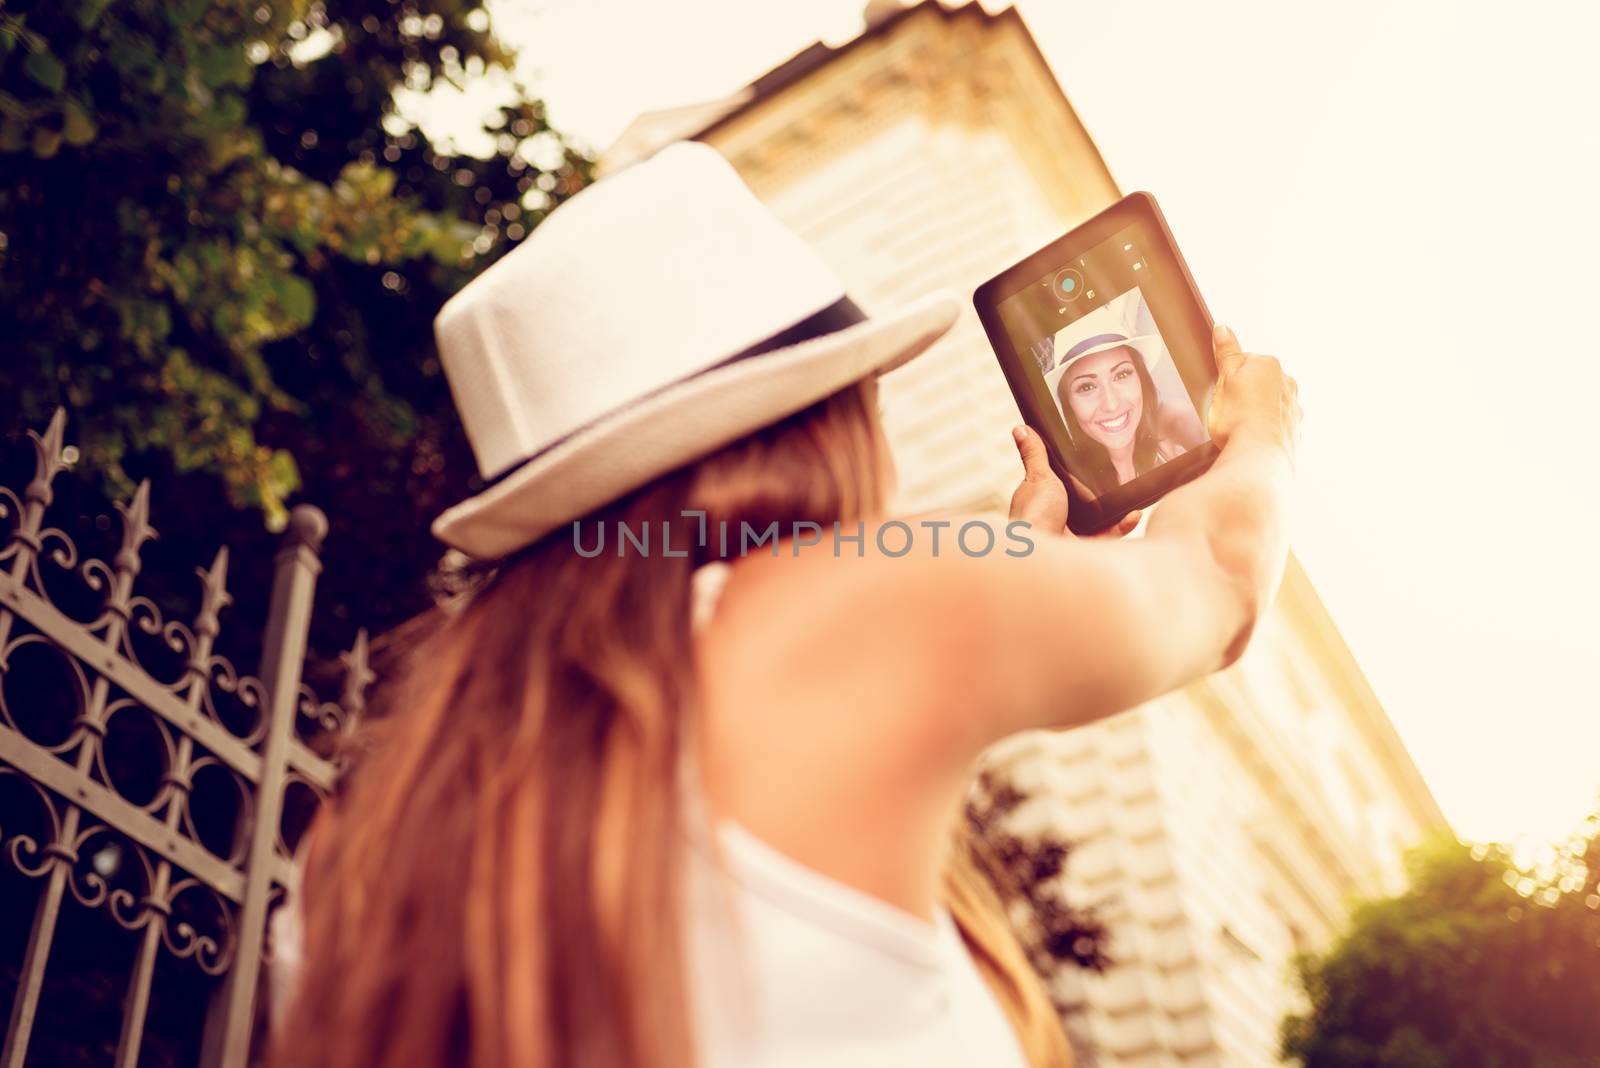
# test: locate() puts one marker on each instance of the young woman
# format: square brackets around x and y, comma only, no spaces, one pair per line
[696,803]
[1114,414]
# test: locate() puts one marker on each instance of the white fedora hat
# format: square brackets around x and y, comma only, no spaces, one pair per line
[656,316]
[1110,326]
[1149,346]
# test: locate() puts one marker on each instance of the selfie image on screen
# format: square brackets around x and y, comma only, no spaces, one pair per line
[1124,405]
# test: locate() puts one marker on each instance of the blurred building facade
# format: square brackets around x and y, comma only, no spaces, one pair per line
[1221,828]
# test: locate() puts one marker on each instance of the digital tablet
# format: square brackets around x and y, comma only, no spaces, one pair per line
[1106,344]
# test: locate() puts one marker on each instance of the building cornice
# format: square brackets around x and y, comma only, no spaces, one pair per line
[712,119]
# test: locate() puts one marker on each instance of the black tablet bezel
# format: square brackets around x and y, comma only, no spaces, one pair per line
[1185,325]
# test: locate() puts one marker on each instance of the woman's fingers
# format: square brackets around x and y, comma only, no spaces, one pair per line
[1041,499]
[1225,345]
[1035,461]
[1253,394]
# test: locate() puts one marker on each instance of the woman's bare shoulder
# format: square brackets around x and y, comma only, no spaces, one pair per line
[868,617]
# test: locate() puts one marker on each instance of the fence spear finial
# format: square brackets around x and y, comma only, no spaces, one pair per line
[136,529]
[214,595]
[49,451]
[357,677]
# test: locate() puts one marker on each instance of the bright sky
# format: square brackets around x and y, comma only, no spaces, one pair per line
[1398,198]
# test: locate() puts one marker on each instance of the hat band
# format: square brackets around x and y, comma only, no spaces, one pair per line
[1090,342]
[841,314]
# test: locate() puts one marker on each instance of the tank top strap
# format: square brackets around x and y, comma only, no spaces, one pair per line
[705,589]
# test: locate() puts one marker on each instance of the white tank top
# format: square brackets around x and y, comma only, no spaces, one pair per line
[790,967]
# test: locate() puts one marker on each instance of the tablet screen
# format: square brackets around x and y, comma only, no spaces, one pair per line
[1093,329]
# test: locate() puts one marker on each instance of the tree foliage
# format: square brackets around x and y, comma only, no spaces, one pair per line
[222,246]
[1482,963]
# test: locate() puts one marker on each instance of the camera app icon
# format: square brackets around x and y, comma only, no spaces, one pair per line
[1067,284]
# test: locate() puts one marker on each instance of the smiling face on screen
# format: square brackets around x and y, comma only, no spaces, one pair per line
[1106,396]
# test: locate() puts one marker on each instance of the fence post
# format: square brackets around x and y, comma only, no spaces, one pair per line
[231,1016]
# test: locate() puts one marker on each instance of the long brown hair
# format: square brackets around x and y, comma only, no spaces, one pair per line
[499,887]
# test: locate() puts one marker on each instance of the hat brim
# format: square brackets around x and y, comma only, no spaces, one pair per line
[681,423]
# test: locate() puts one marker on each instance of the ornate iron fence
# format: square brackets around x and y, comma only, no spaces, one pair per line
[191,880]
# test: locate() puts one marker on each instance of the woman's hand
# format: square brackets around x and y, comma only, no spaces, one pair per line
[1041,499]
[1254,398]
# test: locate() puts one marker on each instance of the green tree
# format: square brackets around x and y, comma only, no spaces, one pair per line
[1480,964]
[222,246]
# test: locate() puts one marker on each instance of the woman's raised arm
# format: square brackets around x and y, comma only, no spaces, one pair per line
[1077,629]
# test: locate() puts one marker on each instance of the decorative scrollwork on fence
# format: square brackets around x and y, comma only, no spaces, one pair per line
[247,692]
[101,875]
[211,950]
[71,677]
[26,852]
